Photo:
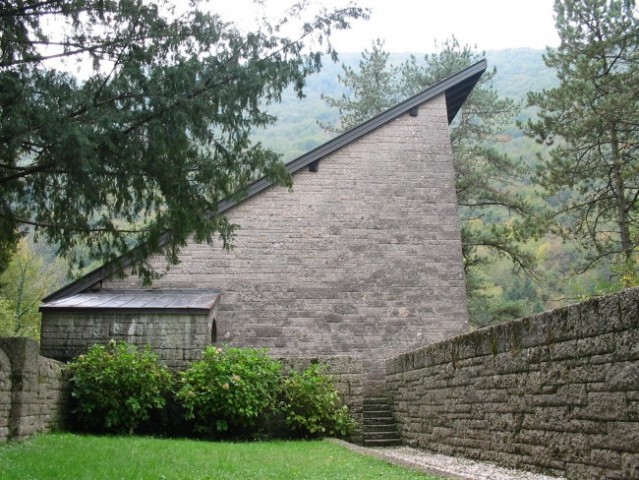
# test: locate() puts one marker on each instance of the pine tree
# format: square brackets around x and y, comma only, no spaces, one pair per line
[590,123]
[370,89]
[486,181]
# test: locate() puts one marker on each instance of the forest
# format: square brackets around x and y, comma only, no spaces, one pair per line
[545,154]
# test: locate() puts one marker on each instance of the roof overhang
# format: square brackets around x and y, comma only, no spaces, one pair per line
[137,301]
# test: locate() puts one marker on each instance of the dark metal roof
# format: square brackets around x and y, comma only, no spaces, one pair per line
[127,301]
[456,88]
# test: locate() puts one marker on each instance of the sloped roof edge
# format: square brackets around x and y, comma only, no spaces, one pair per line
[195,301]
[456,87]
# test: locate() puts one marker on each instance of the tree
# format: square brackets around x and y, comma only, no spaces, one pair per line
[140,147]
[371,89]
[590,123]
[495,218]
[494,215]
[23,283]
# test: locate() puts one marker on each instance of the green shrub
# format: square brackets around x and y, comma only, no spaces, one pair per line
[230,390]
[116,386]
[311,405]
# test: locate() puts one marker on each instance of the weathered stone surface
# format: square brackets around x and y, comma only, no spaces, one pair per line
[556,391]
[176,339]
[33,390]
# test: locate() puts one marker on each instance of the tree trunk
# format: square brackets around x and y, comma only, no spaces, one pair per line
[620,200]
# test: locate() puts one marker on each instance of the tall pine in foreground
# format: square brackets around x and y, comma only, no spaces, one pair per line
[591,171]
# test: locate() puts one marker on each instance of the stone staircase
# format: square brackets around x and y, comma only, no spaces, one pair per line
[379,429]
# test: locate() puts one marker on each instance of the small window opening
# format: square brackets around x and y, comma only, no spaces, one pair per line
[213,332]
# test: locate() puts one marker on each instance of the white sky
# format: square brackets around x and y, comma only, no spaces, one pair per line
[414,25]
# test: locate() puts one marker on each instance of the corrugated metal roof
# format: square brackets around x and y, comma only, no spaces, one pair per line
[149,301]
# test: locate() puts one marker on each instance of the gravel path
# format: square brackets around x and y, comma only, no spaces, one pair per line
[445,466]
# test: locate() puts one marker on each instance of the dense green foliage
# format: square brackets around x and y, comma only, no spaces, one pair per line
[311,406]
[230,389]
[116,386]
[74,457]
[28,277]
[230,393]
[590,123]
[90,159]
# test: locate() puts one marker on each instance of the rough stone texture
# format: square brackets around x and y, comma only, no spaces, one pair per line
[5,395]
[34,392]
[362,258]
[347,375]
[557,392]
[177,339]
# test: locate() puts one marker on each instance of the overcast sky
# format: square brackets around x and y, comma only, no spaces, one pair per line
[414,25]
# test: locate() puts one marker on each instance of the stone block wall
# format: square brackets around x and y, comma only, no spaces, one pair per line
[557,392]
[176,338]
[34,392]
[362,257]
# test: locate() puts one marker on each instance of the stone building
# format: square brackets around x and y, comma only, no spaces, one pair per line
[362,258]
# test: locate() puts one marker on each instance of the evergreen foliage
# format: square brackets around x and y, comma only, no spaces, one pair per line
[153,132]
[370,89]
[590,125]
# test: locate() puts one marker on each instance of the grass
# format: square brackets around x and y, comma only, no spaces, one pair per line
[79,457]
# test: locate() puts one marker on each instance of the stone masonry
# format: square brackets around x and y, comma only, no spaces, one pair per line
[557,392]
[34,392]
[177,339]
[362,257]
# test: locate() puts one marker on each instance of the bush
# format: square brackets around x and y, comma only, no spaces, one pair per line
[116,386]
[311,405]
[230,390]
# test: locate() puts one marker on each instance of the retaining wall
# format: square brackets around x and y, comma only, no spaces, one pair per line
[556,392]
[33,390]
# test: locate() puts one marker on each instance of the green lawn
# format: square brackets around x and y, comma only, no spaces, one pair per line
[78,457]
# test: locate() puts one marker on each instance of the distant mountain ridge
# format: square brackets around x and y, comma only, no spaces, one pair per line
[297,129]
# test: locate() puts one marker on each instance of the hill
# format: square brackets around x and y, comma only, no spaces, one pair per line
[297,129]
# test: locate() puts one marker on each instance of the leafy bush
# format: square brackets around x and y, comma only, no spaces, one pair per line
[116,386]
[311,405]
[230,390]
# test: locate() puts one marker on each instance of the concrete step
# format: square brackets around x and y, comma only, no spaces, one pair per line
[380,436]
[387,442]
[379,429]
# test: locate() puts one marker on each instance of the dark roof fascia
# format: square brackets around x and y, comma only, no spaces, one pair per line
[457,87]
[464,80]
